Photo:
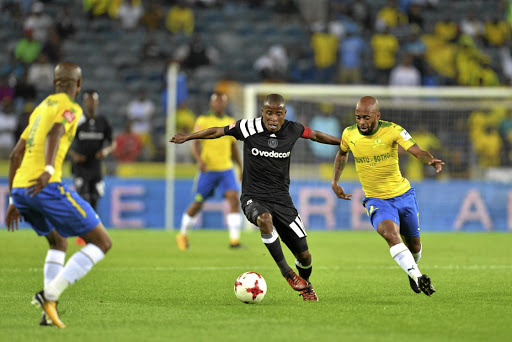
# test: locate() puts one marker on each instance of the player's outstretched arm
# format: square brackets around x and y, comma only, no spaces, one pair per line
[209,133]
[339,164]
[324,138]
[426,158]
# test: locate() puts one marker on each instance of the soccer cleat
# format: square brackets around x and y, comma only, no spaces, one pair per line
[309,294]
[414,286]
[49,307]
[297,283]
[235,243]
[45,321]
[80,242]
[425,285]
[182,242]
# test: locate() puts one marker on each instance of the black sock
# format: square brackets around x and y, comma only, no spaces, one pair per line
[277,253]
[304,271]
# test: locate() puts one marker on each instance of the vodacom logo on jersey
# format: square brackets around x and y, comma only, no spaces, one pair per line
[271,154]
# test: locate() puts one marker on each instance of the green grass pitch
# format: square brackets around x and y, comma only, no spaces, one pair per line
[147,290]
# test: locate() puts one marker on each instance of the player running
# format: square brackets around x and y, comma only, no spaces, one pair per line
[215,161]
[37,195]
[390,200]
[265,199]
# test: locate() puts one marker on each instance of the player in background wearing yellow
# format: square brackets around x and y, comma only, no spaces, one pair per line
[214,158]
[37,195]
[390,200]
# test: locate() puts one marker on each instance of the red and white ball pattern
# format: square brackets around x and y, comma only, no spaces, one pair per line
[250,288]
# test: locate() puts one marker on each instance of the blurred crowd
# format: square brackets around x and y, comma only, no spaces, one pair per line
[371,42]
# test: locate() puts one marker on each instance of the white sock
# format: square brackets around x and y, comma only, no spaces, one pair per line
[417,256]
[234,222]
[77,266]
[53,264]
[404,258]
[186,223]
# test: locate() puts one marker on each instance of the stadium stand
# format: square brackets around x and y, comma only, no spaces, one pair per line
[240,32]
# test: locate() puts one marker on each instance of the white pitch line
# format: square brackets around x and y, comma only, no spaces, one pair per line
[254,267]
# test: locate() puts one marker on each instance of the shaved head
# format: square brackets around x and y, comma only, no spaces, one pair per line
[367,104]
[274,100]
[67,71]
[67,77]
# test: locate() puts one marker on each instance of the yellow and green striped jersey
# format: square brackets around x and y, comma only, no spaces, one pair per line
[376,158]
[57,108]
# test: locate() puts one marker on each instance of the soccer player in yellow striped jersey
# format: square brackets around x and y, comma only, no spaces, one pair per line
[214,158]
[390,200]
[38,196]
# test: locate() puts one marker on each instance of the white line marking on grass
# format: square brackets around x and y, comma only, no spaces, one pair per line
[256,267]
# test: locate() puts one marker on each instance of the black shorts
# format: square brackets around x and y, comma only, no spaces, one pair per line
[285,218]
[89,188]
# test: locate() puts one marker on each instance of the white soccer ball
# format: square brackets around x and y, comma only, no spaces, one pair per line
[250,288]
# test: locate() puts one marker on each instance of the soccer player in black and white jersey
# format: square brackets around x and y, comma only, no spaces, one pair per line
[93,142]
[265,199]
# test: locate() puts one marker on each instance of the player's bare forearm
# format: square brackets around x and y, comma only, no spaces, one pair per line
[324,138]
[15,160]
[209,133]
[426,158]
[339,165]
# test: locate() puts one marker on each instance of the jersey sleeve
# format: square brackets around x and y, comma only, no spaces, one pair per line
[24,135]
[66,115]
[344,141]
[234,130]
[299,130]
[403,137]
[306,134]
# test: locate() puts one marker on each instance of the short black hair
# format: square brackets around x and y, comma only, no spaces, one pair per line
[90,92]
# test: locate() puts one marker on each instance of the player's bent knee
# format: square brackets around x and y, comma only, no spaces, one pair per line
[304,257]
[56,241]
[414,244]
[99,237]
[390,235]
[59,244]
[265,220]
[107,244]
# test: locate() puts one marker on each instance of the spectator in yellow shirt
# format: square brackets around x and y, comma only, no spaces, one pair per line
[447,29]
[325,48]
[496,32]
[384,47]
[391,16]
[180,18]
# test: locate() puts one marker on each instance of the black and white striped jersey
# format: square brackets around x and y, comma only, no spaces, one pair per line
[266,173]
